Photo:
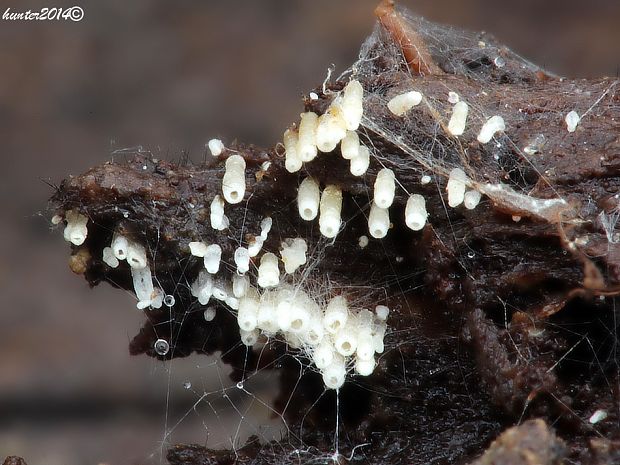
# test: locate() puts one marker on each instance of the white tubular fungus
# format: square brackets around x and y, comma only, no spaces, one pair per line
[232,302]
[472,199]
[292,162]
[331,129]
[109,258]
[378,221]
[361,162]
[218,219]
[258,241]
[249,338]
[385,187]
[209,314]
[147,295]
[267,314]
[492,125]
[306,143]
[334,374]
[362,242]
[268,271]
[293,252]
[456,125]
[76,230]
[323,355]
[415,212]
[425,179]
[572,121]
[56,219]
[351,105]
[198,249]
[402,103]
[202,288]
[453,97]
[364,367]
[242,260]
[247,315]
[598,416]
[212,258]
[233,182]
[120,244]
[216,147]
[336,315]
[136,255]
[308,198]
[456,187]
[365,347]
[350,145]
[330,208]
[300,316]
[221,290]
[315,332]
[284,301]
[240,285]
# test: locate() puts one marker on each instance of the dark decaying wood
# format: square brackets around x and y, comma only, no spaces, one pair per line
[495,320]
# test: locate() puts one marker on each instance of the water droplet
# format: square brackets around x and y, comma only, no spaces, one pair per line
[169,300]
[187,385]
[471,254]
[161,346]
[499,62]
[240,385]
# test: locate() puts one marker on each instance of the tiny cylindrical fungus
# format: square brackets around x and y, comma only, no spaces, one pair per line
[120,244]
[267,319]
[306,143]
[385,187]
[364,367]
[352,105]
[490,127]
[198,249]
[472,199]
[76,230]
[331,129]
[350,145]
[249,338]
[242,260]
[336,314]
[233,183]
[136,255]
[378,221]
[308,198]
[212,258]
[240,285]
[330,209]
[323,355]
[293,252]
[401,104]
[456,187]
[415,212]
[109,258]
[572,120]
[247,314]
[216,147]
[292,162]
[458,120]
[361,162]
[334,374]
[217,217]
[268,271]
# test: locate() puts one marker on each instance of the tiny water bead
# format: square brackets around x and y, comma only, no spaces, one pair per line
[187,385]
[161,347]
[240,385]
[169,300]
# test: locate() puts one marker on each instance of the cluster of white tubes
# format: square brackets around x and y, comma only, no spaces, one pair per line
[323,133]
[458,193]
[75,230]
[334,337]
[328,205]
[123,248]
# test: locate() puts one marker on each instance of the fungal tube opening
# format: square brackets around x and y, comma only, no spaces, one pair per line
[330,210]
[233,183]
[359,164]
[415,212]
[306,141]
[268,271]
[378,221]
[384,188]
[352,104]
[456,187]
[292,162]
[308,198]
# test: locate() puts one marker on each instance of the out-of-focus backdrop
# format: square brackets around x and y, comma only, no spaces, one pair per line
[168,76]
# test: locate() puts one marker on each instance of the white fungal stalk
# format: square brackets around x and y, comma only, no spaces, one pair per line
[401,104]
[350,145]
[76,230]
[572,120]
[415,212]
[360,163]
[216,147]
[458,120]
[351,105]
[492,126]
[308,198]
[292,162]
[306,142]
[456,187]
[212,258]
[330,209]
[378,221]
[233,182]
[384,188]
[219,221]
[472,199]
[268,271]
[331,129]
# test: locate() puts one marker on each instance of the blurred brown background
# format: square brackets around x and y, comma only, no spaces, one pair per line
[168,76]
